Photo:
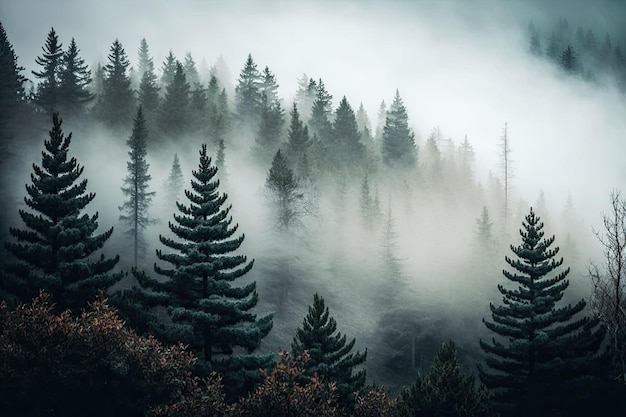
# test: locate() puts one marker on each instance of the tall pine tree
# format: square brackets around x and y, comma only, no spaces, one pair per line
[117,104]
[74,79]
[47,96]
[542,349]
[135,208]
[248,93]
[208,312]
[55,250]
[174,117]
[11,89]
[398,141]
[331,356]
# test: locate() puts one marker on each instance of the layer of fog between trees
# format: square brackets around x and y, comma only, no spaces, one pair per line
[455,69]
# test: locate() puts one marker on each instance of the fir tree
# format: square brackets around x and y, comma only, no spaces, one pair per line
[568,61]
[543,349]
[174,184]
[191,72]
[370,210]
[362,119]
[483,231]
[552,51]
[168,70]
[54,251]
[380,121]
[445,391]
[346,146]
[298,144]
[148,92]
[47,96]
[174,115]
[248,93]
[305,96]
[269,87]
[145,61]
[117,98]
[321,113]
[11,88]
[270,130]
[331,356]
[74,79]
[135,209]
[398,141]
[207,311]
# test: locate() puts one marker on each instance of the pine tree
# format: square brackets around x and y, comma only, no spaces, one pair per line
[148,92]
[11,89]
[248,93]
[270,130]
[54,251]
[47,96]
[331,356]
[269,86]
[145,61]
[174,117]
[381,118]
[191,72]
[346,144]
[321,113]
[298,144]
[135,209]
[174,184]
[543,349]
[370,211]
[117,98]
[568,61]
[445,391]
[168,70]
[74,79]
[208,313]
[552,51]
[398,141]
[483,231]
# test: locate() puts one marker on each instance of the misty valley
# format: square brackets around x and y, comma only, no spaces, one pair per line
[182,241]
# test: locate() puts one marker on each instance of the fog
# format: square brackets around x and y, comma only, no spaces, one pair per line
[461,66]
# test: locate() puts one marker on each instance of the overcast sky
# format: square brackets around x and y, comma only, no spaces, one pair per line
[460,65]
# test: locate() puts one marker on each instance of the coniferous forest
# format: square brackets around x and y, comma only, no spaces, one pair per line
[313,209]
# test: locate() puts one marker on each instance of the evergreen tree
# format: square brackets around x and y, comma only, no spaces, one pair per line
[298,143]
[168,70]
[370,209]
[305,96]
[381,118]
[483,231]
[118,97]
[248,93]
[74,79]
[552,51]
[54,251]
[605,54]
[270,130]
[391,264]
[321,113]
[174,184]
[191,72]
[47,96]
[135,209]
[346,147]
[445,391]
[207,311]
[198,106]
[11,88]
[543,349]
[591,44]
[174,117]
[362,119]
[145,61]
[269,87]
[331,356]
[398,141]
[148,91]
[568,61]
[535,41]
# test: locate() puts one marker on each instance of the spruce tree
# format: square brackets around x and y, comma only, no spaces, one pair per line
[174,184]
[445,391]
[148,92]
[191,71]
[543,349]
[11,88]
[74,79]
[248,93]
[568,60]
[270,130]
[47,96]
[269,86]
[168,70]
[398,141]
[55,250]
[298,144]
[321,114]
[174,117]
[145,61]
[135,208]
[118,98]
[484,235]
[284,193]
[346,145]
[208,312]
[331,356]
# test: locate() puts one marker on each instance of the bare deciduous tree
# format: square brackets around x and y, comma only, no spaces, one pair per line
[608,298]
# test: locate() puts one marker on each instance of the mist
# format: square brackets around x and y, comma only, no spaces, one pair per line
[463,67]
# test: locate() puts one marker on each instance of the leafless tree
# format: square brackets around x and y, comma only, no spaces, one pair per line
[608,298]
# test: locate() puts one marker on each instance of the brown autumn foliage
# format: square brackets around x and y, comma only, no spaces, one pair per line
[59,364]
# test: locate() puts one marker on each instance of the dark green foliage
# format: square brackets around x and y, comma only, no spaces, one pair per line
[11,88]
[47,96]
[321,113]
[543,350]
[168,70]
[398,141]
[269,87]
[298,144]
[270,131]
[568,60]
[135,188]
[208,313]
[174,117]
[74,79]
[118,102]
[346,146]
[445,391]
[191,72]
[248,93]
[330,354]
[148,92]
[55,251]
